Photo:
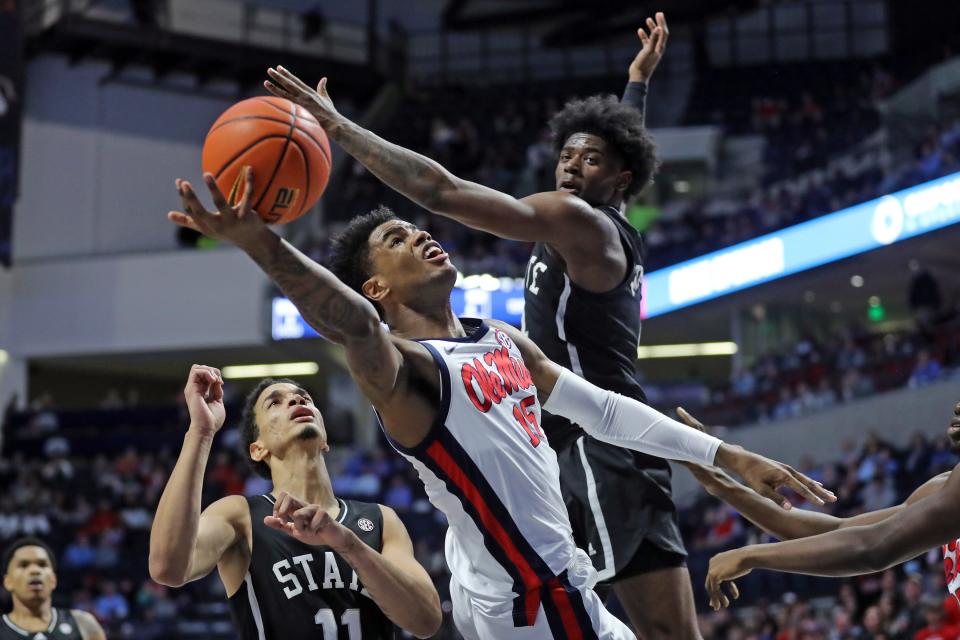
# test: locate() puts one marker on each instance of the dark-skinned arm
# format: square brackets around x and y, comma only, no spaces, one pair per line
[628,423]
[560,219]
[848,551]
[780,523]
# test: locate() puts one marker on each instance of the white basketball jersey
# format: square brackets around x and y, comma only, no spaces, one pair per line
[951,568]
[488,467]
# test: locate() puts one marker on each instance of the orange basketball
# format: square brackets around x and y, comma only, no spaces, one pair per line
[283,143]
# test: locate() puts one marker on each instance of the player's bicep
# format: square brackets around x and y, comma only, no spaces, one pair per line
[221,527]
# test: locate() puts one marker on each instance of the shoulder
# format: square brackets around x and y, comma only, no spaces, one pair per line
[234,510]
[393,527]
[90,629]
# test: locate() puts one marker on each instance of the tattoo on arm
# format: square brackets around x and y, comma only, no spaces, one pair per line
[415,176]
[329,306]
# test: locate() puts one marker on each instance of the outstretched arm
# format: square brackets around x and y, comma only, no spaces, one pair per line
[399,585]
[645,63]
[555,218]
[849,551]
[625,422]
[783,524]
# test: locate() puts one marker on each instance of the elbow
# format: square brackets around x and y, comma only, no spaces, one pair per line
[430,624]
[163,572]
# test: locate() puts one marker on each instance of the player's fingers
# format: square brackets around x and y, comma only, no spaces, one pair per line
[724,601]
[770,494]
[734,591]
[320,520]
[281,508]
[277,90]
[655,37]
[219,200]
[294,79]
[822,494]
[662,22]
[644,38]
[322,86]
[191,202]
[274,522]
[287,80]
[183,220]
[651,25]
[244,206]
[794,481]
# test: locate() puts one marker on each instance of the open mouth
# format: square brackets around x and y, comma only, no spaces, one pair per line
[433,252]
[35,584]
[569,187]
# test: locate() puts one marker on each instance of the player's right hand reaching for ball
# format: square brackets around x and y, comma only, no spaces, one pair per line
[204,396]
[236,223]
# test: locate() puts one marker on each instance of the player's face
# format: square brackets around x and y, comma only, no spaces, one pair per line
[409,266]
[953,431]
[590,168]
[30,577]
[285,414]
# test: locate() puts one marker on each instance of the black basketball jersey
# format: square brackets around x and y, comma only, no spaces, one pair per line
[595,335]
[62,626]
[298,591]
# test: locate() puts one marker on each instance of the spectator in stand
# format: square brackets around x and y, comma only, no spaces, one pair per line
[80,554]
[937,627]
[111,605]
[926,371]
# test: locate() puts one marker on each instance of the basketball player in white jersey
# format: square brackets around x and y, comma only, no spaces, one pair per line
[461,400]
[822,545]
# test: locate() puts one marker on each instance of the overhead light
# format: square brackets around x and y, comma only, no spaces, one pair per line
[687,350]
[4,356]
[874,301]
[681,186]
[857,281]
[270,370]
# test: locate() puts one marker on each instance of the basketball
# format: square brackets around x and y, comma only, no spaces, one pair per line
[283,143]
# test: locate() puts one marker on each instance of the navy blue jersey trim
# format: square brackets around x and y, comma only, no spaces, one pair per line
[474,335]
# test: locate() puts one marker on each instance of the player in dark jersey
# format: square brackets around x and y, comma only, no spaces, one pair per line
[353,578]
[583,310]
[820,545]
[30,576]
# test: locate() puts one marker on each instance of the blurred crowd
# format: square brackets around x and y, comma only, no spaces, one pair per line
[93,500]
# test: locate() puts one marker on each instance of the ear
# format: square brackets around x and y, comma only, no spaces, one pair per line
[258,452]
[375,290]
[624,178]
[8,583]
[54,575]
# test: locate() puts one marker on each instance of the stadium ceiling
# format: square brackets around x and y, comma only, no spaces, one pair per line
[574,23]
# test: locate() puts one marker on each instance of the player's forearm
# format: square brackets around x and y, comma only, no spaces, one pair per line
[173,535]
[415,176]
[841,553]
[635,95]
[778,522]
[625,422]
[337,312]
[410,602]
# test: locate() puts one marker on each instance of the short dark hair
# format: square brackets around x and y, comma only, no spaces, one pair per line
[620,125]
[27,542]
[249,429]
[350,255]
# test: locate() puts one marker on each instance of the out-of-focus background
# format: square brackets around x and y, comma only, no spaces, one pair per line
[801,289]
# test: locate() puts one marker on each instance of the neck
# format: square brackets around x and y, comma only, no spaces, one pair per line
[304,475]
[437,321]
[24,613]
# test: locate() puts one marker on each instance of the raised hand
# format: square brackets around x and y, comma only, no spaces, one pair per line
[284,84]
[651,51]
[204,395]
[236,223]
[724,568]
[308,523]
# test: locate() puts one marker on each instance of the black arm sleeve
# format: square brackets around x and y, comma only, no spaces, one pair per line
[635,95]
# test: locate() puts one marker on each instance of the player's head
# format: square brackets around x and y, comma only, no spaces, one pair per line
[279,415]
[606,154]
[29,571]
[953,431]
[392,263]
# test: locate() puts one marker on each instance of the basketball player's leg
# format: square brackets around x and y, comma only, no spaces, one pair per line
[660,604]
